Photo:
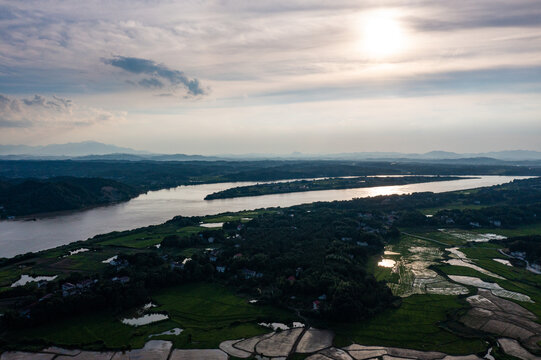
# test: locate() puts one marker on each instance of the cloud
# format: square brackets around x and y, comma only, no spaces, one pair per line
[463,14]
[158,73]
[41,111]
[151,83]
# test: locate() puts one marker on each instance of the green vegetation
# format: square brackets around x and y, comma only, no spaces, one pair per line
[207,313]
[322,184]
[212,313]
[414,325]
[24,197]
[451,206]
[523,230]
[290,260]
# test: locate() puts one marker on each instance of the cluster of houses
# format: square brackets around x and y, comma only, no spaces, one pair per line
[368,220]
[251,274]
[69,289]
[447,220]
[317,303]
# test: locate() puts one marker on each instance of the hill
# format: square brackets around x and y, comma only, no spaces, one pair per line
[58,194]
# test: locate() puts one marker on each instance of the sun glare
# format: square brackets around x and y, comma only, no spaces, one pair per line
[381,34]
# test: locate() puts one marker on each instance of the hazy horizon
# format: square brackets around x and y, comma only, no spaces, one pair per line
[279,77]
[90,147]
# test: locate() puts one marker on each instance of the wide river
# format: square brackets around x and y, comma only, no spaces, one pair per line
[155,207]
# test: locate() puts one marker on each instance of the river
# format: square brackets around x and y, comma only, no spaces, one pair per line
[155,207]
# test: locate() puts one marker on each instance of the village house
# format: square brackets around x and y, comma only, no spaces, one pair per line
[68,289]
[122,279]
[177,265]
[86,284]
[249,274]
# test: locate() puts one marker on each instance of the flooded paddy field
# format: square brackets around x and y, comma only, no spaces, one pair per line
[459,265]
[417,269]
[409,262]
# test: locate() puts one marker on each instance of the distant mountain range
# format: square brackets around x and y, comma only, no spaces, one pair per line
[92,150]
[70,149]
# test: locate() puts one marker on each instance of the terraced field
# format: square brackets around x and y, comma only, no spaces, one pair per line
[457,258]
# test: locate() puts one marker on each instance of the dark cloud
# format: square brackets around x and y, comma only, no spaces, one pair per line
[525,20]
[48,111]
[7,13]
[482,14]
[515,80]
[7,123]
[159,73]
[151,83]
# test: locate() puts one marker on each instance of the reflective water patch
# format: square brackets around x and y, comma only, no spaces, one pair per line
[25,279]
[388,263]
[495,288]
[472,237]
[503,261]
[415,277]
[145,319]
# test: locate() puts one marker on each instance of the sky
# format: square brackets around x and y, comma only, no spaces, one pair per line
[223,77]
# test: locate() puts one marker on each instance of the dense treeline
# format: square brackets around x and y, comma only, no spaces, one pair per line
[311,258]
[299,257]
[148,175]
[322,184]
[520,192]
[145,272]
[23,197]
[529,245]
[43,186]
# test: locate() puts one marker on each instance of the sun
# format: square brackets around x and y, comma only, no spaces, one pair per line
[381,34]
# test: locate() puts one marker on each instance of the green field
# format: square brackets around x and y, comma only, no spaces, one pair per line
[239,216]
[208,314]
[533,229]
[454,206]
[413,325]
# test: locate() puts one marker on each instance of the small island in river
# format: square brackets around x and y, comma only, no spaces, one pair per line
[324,184]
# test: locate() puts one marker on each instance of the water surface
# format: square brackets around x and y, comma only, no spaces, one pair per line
[155,207]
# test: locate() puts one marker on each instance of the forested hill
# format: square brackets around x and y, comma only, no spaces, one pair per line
[153,175]
[32,196]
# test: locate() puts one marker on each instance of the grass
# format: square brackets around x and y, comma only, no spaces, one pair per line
[93,331]
[237,216]
[137,240]
[516,279]
[533,229]
[413,325]
[483,256]
[212,313]
[453,206]
[512,285]
[208,313]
